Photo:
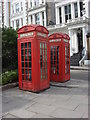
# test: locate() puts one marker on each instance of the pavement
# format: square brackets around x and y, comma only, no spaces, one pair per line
[80,68]
[61,100]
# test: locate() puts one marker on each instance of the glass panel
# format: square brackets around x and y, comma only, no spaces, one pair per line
[26,64]
[25,45]
[22,64]
[22,52]
[29,58]
[26,61]
[22,58]
[66,59]
[29,64]
[22,45]
[55,59]
[22,77]
[29,45]
[43,60]
[29,52]
[22,71]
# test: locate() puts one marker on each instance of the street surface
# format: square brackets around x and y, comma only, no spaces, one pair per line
[62,100]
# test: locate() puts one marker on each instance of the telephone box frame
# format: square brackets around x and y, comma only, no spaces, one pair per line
[36,35]
[61,40]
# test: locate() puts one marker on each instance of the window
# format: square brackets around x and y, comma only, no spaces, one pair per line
[12,9]
[42,1]
[37,18]
[31,19]
[43,61]
[60,15]
[43,18]
[21,21]
[17,23]
[67,12]
[55,59]
[30,3]
[81,8]
[36,2]
[76,10]
[17,7]
[21,6]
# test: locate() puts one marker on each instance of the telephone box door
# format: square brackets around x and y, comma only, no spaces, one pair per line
[43,47]
[55,61]
[67,61]
[26,62]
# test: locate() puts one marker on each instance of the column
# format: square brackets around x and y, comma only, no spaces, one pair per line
[28,3]
[45,18]
[14,8]
[63,14]
[84,38]
[15,24]
[32,3]
[70,35]
[57,16]
[72,11]
[76,41]
[78,4]
[11,10]
[29,19]
[40,1]
[41,20]
[20,25]
[33,18]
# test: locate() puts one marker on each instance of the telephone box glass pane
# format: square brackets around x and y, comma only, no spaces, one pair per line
[55,59]
[43,61]
[66,59]
[26,61]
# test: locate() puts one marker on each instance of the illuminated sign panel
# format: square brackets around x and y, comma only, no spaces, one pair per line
[55,40]
[26,34]
[65,40]
[41,34]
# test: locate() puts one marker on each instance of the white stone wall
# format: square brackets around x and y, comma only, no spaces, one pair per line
[18,16]
[6,13]
[37,10]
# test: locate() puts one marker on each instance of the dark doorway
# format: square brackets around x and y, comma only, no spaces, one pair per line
[80,40]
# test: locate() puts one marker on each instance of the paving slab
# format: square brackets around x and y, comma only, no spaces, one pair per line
[20,113]
[42,109]
[66,101]
[8,115]
[65,113]
[42,116]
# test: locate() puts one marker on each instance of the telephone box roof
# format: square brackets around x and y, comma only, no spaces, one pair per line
[33,27]
[59,35]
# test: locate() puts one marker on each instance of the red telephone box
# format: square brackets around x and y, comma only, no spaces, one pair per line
[59,52]
[33,58]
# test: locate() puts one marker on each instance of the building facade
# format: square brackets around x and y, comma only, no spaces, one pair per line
[17,13]
[73,18]
[41,12]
